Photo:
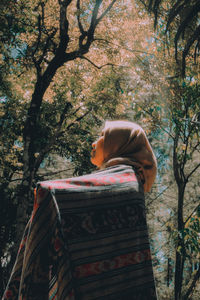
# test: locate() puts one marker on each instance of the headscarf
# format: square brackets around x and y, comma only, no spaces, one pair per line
[126,143]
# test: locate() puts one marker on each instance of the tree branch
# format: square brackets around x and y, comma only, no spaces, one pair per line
[192,172]
[64,24]
[187,48]
[159,126]
[106,11]
[122,47]
[52,140]
[49,37]
[93,23]
[58,132]
[173,13]
[82,31]
[193,12]
[54,173]
[37,65]
[79,119]
[98,67]
[191,214]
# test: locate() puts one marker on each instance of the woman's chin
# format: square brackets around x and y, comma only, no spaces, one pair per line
[92,160]
[95,163]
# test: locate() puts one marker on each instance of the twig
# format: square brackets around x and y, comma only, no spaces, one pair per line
[54,173]
[192,172]
[98,67]
[79,119]
[191,214]
[122,47]
[169,134]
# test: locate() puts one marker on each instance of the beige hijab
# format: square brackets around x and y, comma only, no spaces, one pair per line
[126,143]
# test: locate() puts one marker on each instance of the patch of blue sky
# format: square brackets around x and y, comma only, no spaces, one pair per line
[18,144]
[3,99]
[161,256]
[18,51]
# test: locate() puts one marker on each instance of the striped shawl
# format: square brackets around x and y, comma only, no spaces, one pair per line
[87,239]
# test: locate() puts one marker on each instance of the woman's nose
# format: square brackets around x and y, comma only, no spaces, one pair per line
[94,145]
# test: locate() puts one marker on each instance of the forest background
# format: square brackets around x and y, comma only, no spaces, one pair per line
[66,66]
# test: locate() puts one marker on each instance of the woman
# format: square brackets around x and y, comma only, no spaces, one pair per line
[123,142]
[87,238]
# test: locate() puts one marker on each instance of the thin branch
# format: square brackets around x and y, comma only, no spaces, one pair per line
[42,4]
[17,179]
[79,119]
[159,126]
[98,67]
[176,213]
[192,285]
[191,121]
[76,110]
[150,201]
[38,37]
[106,11]
[54,173]
[196,51]
[187,48]
[160,194]
[67,107]
[173,13]
[55,136]
[46,47]
[94,15]
[189,17]
[195,148]
[37,66]
[122,47]
[192,172]
[83,32]
[191,214]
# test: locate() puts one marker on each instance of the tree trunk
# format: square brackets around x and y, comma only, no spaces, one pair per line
[23,198]
[169,271]
[2,279]
[180,250]
[180,260]
[44,79]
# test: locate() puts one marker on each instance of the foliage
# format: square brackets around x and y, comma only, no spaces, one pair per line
[179,20]
[177,120]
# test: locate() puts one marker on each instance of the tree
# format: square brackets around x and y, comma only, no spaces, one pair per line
[180,122]
[39,44]
[49,50]
[186,146]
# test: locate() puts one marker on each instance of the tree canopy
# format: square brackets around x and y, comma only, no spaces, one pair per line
[180,19]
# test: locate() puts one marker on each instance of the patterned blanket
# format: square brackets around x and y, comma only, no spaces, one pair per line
[87,239]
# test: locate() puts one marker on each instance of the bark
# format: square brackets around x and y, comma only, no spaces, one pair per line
[180,256]
[180,250]
[2,279]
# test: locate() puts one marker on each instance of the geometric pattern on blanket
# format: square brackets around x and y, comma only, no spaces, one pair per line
[87,239]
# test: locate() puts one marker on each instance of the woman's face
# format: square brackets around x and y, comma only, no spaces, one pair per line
[97,154]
